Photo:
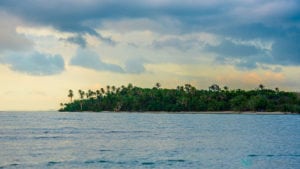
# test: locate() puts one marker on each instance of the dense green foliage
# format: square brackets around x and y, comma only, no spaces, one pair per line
[183,98]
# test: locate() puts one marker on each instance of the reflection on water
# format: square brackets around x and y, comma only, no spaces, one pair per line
[132,140]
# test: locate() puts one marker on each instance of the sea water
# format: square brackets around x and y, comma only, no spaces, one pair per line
[145,140]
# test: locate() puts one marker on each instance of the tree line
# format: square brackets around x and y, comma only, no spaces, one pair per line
[182,98]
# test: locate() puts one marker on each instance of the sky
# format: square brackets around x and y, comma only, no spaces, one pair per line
[49,47]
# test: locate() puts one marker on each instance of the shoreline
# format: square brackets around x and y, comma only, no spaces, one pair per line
[164,112]
[207,112]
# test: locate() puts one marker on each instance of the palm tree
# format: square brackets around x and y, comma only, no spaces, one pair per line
[261,86]
[157,85]
[129,86]
[214,87]
[118,90]
[107,89]
[90,93]
[113,88]
[81,93]
[98,94]
[123,87]
[61,105]
[181,88]
[193,90]
[71,95]
[187,88]
[102,91]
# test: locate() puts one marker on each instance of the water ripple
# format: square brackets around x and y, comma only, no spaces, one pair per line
[49,137]
[272,155]
[9,165]
[51,163]
[180,160]
[124,132]
[104,150]
[97,161]
[112,140]
[148,163]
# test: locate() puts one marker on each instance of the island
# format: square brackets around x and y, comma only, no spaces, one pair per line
[184,98]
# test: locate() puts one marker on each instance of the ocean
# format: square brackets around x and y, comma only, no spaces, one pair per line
[147,140]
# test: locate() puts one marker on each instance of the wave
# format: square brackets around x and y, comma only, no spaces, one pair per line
[274,155]
[124,132]
[48,137]
[9,165]
[97,161]
[105,162]
[148,163]
[51,163]
[104,150]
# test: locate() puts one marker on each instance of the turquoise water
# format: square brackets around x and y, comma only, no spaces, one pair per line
[132,140]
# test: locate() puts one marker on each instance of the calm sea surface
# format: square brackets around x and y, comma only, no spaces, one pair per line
[132,140]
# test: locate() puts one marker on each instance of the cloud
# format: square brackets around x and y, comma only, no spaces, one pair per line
[107,40]
[242,20]
[246,65]
[230,49]
[162,24]
[78,39]
[83,16]
[185,42]
[177,43]
[286,51]
[250,31]
[66,16]
[36,64]
[10,40]
[134,66]
[248,56]
[89,59]
[216,16]
[243,56]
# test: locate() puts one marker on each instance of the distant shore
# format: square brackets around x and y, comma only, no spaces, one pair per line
[207,112]
[178,112]
[184,99]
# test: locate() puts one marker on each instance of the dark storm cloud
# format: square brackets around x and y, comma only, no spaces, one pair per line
[84,16]
[286,51]
[37,64]
[242,56]
[251,31]
[91,60]
[68,16]
[229,49]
